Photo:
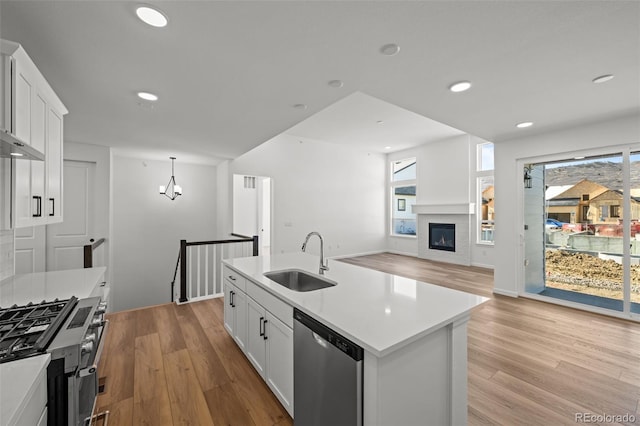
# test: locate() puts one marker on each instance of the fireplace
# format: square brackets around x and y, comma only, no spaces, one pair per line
[442,236]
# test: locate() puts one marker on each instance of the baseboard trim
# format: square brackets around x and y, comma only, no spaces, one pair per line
[483,265]
[508,293]
[366,253]
[402,253]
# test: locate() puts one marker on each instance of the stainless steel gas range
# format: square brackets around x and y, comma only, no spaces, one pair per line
[72,331]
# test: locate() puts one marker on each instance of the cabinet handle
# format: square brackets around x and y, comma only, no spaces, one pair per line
[261,324]
[264,324]
[233,304]
[232,278]
[53,206]
[38,212]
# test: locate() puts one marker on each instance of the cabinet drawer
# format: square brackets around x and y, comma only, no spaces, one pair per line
[277,307]
[234,278]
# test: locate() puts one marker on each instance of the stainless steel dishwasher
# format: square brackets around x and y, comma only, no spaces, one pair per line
[327,375]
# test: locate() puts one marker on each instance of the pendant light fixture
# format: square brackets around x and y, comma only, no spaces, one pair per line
[172,190]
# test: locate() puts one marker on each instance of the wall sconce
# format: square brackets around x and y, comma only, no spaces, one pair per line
[171,190]
[527,176]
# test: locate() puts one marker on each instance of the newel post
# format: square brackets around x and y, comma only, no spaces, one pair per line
[183,270]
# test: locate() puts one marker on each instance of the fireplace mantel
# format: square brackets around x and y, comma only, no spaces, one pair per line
[463,208]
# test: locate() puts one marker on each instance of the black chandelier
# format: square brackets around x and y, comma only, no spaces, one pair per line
[171,190]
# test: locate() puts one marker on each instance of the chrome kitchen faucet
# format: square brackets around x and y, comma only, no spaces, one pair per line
[323,266]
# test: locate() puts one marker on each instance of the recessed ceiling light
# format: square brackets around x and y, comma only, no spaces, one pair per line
[16,154]
[602,78]
[336,83]
[300,106]
[524,124]
[387,147]
[152,16]
[390,49]
[460,86]
[148,96]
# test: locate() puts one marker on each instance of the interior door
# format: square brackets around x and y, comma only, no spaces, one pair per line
[30,249]
[66,240]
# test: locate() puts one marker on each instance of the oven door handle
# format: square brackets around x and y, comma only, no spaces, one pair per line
[91,369]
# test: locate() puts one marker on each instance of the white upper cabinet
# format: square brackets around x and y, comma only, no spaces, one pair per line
[36,119]
[54,166]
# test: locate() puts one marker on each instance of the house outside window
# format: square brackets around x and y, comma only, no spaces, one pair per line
[485,190]
[615,211]
[403,197]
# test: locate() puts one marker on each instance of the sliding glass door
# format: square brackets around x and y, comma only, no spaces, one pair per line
[582,230]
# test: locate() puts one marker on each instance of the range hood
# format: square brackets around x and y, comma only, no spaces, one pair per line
[12,147]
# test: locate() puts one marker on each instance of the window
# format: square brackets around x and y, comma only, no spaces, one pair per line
[585,197]
[615,211]
[485,189]
[403,196]
[585,213]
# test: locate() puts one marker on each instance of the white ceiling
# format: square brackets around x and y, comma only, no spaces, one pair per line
[229,73]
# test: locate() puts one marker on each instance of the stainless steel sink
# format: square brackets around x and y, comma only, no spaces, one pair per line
[298,280]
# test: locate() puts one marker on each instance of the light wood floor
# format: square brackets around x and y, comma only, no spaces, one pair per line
[530,363]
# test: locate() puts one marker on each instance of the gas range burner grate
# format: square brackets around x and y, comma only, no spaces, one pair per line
[27,330]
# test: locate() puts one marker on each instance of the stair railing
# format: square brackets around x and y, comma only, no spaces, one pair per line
[200,265]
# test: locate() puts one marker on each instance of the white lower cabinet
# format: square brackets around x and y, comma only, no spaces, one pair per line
[269,340]
[235,314]
[279,371]
[256,343]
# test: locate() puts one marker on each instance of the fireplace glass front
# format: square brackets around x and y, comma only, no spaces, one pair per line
[442,236]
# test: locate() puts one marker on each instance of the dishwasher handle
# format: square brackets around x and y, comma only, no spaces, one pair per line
[323,334]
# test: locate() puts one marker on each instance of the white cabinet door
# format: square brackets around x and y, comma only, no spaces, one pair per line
[240,317]
[235,314]
[37,121]
[256,349]
[38,141]
[25,89]
[23,207]
[229,320]
[54,167]
[280,360]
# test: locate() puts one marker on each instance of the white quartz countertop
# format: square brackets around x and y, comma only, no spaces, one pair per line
[18,382]
[380,312]
[39,286]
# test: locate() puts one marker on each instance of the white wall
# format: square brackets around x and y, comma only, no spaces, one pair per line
[599,137]
[445,176]
[245,206]
[318,186]
[6,254]
[148,227]
[223,194]
[6,234]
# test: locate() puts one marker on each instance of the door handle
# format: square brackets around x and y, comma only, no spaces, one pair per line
[261,326]
[264,324]
[53,206]
[38,212]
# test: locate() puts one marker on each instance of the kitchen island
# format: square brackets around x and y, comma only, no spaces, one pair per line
[413,334]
